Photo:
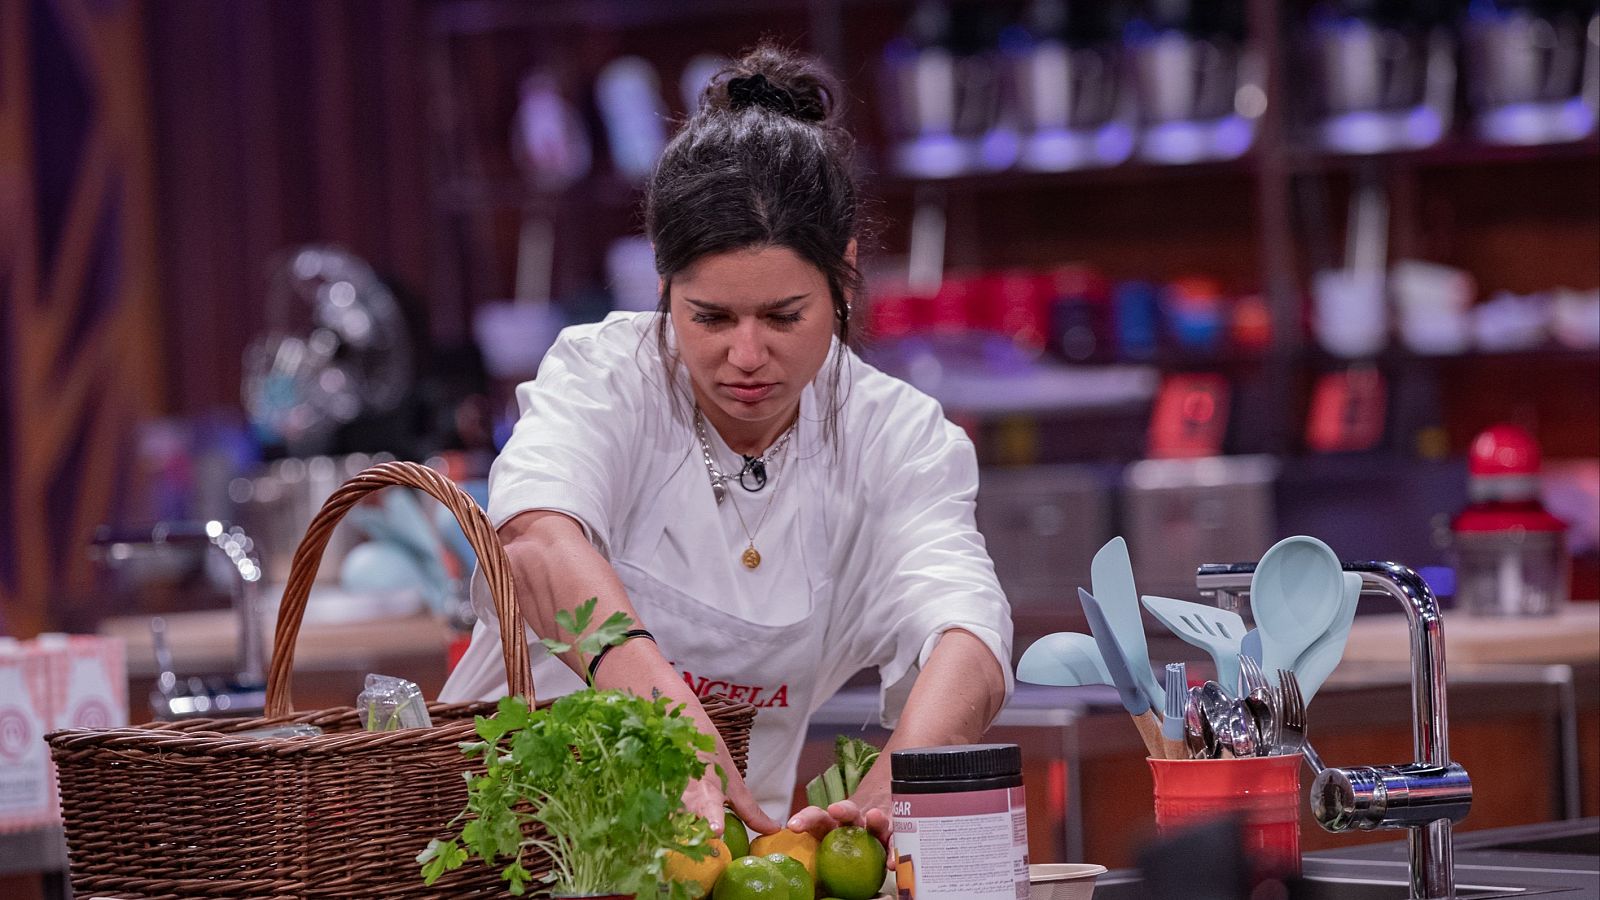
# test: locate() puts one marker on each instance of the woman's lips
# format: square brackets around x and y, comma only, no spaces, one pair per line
[750,393]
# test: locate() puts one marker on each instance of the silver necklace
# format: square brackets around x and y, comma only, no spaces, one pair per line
[752,476]
[751,557]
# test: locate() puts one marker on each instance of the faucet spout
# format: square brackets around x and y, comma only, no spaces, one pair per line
[1370,797]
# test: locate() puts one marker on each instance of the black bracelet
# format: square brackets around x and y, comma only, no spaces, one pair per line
[594,664]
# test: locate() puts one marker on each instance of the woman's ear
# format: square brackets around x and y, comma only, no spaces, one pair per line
[850,253]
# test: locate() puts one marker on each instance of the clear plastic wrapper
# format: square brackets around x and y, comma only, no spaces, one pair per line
[390,704]
[280,731]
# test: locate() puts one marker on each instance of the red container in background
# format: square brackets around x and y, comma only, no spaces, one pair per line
[1015,303]
[1265,790]
[954,308]
[891,313]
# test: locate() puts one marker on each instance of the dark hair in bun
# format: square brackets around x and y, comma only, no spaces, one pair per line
[762,163]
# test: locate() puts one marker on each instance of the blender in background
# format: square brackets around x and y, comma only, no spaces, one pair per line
[1199,91]
[1062,73]
[941,92]
[1511,555]
[1384,75]
[1533,70]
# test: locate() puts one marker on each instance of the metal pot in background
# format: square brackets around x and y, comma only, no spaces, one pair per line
[940,92]
[1198,95]
[1068,97]
[1533,78]
[1380,86]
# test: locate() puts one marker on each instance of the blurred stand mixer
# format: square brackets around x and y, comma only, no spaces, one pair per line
[1384,75]
[1510,552]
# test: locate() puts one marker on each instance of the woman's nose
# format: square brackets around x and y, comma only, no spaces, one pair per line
[748,351]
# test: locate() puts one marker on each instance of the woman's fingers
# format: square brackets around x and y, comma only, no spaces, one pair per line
[745,806]
[813,820]
[878,822]
[704,798]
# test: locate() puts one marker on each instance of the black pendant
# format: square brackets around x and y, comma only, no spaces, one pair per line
[753,477]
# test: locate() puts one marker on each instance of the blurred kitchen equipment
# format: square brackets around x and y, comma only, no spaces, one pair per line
[1065,81]
[1294,595]
[514,336]
[1511,556]
[1351,313]
[1216,631]
[231,558]
[697,75]
[1134,699]
[1111,573]
[1322,657]
[940,90]
[335,347]
[548,137]
[275,506]
[1426,797]
[1382,85]
[1533,72]
[1435,306]
[1199,91]
[628,93]
[1042,525]
[1178,513]
[1065,658]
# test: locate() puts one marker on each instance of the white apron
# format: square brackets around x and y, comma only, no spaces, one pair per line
[774,668]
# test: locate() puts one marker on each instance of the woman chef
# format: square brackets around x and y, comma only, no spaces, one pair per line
[776,513]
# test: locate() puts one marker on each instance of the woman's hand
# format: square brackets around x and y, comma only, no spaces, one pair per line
[817,821]
[705,797]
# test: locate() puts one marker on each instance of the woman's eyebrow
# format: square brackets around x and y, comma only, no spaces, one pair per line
[768,306]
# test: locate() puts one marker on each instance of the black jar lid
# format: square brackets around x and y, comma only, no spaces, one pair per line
[957,763]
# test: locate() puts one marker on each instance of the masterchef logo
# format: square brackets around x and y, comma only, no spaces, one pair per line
[15,734]
[756,695]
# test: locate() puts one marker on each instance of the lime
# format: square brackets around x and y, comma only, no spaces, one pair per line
[752,878]
[801,887]
[736,835]
[850,863]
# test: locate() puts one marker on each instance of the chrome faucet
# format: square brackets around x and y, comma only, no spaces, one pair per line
[1426,797]
[245,693]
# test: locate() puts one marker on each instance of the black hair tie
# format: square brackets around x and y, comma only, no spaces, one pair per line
[756,90]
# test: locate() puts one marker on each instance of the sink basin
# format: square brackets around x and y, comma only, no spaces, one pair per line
[1326,888]
[1579,837]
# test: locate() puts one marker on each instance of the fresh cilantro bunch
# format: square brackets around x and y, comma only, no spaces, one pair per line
[604,773]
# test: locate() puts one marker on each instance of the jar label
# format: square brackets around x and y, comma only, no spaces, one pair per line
[971,845]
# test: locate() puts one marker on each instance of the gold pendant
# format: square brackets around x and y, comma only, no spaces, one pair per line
[751,557]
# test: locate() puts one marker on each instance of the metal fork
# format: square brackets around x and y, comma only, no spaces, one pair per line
[1292,721]
[1251,676]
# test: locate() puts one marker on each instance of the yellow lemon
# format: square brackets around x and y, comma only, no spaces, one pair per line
[850,863]
[794,844]
[699,874]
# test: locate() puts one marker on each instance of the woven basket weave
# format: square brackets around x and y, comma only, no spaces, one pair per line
[184,809]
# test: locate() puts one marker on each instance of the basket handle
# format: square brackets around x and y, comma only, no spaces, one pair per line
[308,557]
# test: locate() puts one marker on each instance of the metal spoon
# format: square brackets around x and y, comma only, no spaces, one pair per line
[1197,733]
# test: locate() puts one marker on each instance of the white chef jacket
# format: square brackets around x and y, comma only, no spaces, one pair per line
[868,545]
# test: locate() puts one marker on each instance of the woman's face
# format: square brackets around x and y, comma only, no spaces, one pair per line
[754,328]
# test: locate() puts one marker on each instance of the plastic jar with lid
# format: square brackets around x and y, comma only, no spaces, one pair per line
[960,823]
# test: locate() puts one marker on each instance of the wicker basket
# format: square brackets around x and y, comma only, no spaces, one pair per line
[184,809]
